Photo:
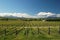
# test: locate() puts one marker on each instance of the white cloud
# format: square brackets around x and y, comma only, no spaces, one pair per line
[57,15]
[45,14]
[18,15]
[26,15]
[15,14]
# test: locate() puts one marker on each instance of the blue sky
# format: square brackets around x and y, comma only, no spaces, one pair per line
[29,6]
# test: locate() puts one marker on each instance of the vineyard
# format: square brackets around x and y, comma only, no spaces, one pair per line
[29,30]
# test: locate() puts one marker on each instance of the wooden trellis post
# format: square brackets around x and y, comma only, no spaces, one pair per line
[38,30]
[27,31]
[16,32]
[59,29]
[49,30]
[5,34]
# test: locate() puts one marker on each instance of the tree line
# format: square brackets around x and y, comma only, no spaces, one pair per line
[31,19]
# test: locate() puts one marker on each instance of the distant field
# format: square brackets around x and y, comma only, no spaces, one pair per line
[30,23]
[29,30]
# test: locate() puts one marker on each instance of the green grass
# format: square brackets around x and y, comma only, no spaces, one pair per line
[15,30]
